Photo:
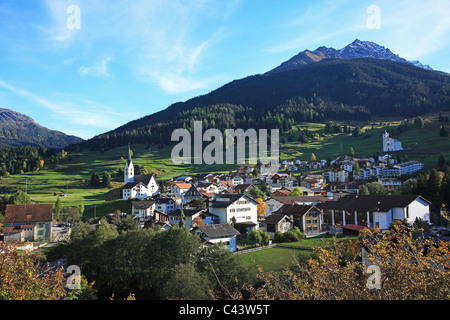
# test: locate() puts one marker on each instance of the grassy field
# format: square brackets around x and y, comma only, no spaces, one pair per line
[287,254]
[73,177]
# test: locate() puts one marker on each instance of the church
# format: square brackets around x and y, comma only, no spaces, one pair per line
[137,186]
[390,144]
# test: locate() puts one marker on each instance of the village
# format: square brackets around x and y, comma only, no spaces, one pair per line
[327,197]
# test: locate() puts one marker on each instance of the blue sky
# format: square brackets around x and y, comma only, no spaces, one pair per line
[116,61]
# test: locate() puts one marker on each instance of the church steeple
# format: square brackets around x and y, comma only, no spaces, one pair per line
[129,168]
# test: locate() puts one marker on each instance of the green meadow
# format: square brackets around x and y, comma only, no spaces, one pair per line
[287,254]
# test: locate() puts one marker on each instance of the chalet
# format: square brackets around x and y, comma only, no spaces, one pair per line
[192,194]
[142,209]
[189,216]
[283,180]
[179,188]
[275,203]
[237,180]
[225,185]
[240,206]
[218,234]
[30,222]
[167,204]
[243,188]
[208,187]
[278,223]
[308,218]
[281,193]
[157,218]
[316,165]
[375,210]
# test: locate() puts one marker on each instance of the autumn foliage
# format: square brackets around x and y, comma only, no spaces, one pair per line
[24,277]
[411,267]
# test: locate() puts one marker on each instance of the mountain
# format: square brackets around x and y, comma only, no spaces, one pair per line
[17,129]
[351,89]
[357,49]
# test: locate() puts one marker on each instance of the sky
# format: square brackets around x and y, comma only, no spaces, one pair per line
[86,67]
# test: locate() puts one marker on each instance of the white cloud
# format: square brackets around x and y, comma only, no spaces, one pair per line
[166,41]
[97,70]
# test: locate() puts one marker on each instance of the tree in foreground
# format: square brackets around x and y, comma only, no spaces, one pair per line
[408,267]
[24,277]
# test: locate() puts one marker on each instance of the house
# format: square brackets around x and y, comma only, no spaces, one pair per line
[308,218]
[390,183]
[28,222]
[283,180]
[281,193]
[316,165]
[237,180]
[278,223]
[375,210]
[224,185]
[208,187]
[179,188]
[275,203]
[142,209]
[337,175]
[167,204]
[157,218]
[192,194]
[243,188]
[313,181]
[218,234]
[189,216]
[241,207]
[137,186]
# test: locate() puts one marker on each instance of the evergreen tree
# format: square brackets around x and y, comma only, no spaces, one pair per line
[58,208]
[433,187]
[419,122]
[441,161]
[95,180]
[351,152]
[106,180]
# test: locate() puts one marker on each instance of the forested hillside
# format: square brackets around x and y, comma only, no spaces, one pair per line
[355,89]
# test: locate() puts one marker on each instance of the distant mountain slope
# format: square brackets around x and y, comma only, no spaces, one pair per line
[357,49]
[17,129]
[354,88]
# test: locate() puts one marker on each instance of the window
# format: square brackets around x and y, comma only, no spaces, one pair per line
[315,221]
[308,221]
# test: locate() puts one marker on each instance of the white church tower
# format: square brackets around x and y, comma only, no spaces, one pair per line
[128,174]
[390,144]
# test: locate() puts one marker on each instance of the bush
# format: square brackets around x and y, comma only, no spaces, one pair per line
[293,235]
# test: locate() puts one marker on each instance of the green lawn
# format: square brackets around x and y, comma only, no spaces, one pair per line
[273,259]
[287,254]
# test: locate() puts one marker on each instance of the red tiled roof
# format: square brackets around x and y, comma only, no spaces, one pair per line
[353,227]
[28,213]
